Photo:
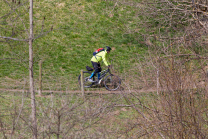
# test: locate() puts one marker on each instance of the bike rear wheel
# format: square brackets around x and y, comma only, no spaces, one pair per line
[86,75]
[112,82]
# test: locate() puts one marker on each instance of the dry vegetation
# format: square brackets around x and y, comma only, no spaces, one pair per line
[175,67]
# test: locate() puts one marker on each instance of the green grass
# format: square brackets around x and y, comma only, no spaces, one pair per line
[79,27]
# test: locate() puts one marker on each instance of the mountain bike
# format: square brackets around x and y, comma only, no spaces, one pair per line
[111,82]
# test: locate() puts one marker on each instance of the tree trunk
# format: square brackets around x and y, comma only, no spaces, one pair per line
[33,105]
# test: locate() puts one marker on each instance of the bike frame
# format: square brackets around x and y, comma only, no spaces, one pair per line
[106,79]
[103,73]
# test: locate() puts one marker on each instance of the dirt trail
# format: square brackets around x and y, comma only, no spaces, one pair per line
[78,91]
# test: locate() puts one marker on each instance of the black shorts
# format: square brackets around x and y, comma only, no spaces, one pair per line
[97,67]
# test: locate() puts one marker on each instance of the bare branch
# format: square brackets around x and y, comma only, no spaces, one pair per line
[15,39]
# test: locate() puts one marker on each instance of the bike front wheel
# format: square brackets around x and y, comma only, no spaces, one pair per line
[112,82]
[86,75]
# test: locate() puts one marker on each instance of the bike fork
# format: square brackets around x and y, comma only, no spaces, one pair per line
[99,81]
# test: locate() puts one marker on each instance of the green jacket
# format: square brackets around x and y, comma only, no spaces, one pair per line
[101,56]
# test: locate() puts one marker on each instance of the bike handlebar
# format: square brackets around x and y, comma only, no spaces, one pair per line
[109,70]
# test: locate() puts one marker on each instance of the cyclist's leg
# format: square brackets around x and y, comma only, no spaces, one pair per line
[96,67]
[99,70]
[93,73]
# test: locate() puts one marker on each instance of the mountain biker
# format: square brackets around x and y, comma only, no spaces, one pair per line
[96,59]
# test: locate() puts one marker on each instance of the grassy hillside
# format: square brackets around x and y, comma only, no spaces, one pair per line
[79,27]
[66,34]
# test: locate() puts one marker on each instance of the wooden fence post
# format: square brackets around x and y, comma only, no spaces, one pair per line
[40,77]
[82,82]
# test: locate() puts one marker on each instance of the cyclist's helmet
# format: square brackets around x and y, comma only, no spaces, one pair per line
[108,48]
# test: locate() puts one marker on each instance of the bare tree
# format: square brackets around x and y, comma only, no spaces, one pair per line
[10,21]
[175,34]
[32,92]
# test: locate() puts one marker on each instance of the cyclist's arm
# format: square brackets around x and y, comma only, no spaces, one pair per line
[105,59]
